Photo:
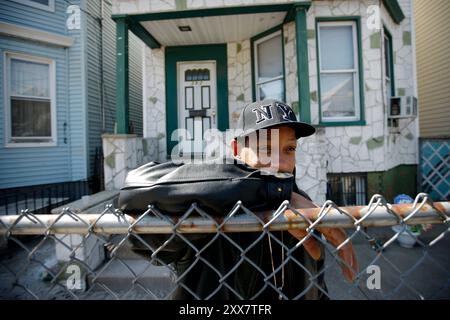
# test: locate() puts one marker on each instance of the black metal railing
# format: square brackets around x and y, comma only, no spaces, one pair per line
[42,198]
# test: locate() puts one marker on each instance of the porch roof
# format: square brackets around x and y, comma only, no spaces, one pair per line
[140,24]
[208,25]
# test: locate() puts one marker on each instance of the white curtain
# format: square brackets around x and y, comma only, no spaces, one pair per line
[30,99]
[336,48]
[270,64]
[338,71]
[269,81]
[273,90]
[337,95]
[29,79]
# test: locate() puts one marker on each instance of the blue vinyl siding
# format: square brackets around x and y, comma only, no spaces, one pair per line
[28,166]
[67,160]
[78,92]
[135,81]
[77,101]
[21,14]
[97,122]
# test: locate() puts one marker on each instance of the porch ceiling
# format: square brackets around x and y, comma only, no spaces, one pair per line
[215,29]
[209,25]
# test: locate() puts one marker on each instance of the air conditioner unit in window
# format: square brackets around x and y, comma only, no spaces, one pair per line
[403,107]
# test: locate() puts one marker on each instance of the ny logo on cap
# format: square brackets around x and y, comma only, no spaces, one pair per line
[287,111]
[263,113]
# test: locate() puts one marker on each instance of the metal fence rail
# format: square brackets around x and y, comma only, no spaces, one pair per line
[83,256]
[42,198]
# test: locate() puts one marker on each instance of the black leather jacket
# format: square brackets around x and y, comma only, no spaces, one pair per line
[243,260]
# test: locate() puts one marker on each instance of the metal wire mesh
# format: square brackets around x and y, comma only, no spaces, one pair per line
[93,256]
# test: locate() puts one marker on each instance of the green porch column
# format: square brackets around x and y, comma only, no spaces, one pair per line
[302,63]
[122,89]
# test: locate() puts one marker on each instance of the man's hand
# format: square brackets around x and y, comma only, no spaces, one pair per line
[333,235]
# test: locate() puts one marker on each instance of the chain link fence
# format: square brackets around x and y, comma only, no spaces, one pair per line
[113,255]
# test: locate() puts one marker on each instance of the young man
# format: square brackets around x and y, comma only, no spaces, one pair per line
[238,265]
[275,118]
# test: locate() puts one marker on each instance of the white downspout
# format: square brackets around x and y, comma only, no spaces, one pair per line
[415,86]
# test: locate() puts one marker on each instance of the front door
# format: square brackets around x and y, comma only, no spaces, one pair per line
[197,104]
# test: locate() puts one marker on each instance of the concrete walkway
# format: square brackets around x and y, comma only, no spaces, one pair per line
[401,278]
[414,273]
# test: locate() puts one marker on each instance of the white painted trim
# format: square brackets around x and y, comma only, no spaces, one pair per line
[52,78]
[355,71]
[412,22]
[28,33]
[50,7]
[338,71]
[269,80]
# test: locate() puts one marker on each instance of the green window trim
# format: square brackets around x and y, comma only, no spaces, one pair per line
[301,41]
[343,123]
[361,121]
[122,81]
[143,34]
[134,20]
[391,62]
[394,10]
[217,52]
[212,12]
[252,53]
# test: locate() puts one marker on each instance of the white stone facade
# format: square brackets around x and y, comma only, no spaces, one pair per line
[123,153]
[239,78]
[337,149]
[155,100]
[370,147]
[89,250]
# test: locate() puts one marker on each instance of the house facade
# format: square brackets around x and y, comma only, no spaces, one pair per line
[58,91]
[338,63]
[433,78]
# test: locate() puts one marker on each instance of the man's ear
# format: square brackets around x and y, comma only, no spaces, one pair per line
[234,147]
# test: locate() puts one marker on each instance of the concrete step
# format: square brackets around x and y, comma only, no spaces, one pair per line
[94,203]
[126,266]
[118,277]
[124,251]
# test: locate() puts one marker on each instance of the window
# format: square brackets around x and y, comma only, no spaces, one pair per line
[348,189]
[268,62]
[388,65]
[30,101]
[196,75]
[339,79]
[48,5]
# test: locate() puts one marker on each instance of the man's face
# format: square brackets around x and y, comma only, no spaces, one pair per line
[274,150]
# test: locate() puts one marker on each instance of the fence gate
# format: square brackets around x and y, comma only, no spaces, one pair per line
[434,167]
